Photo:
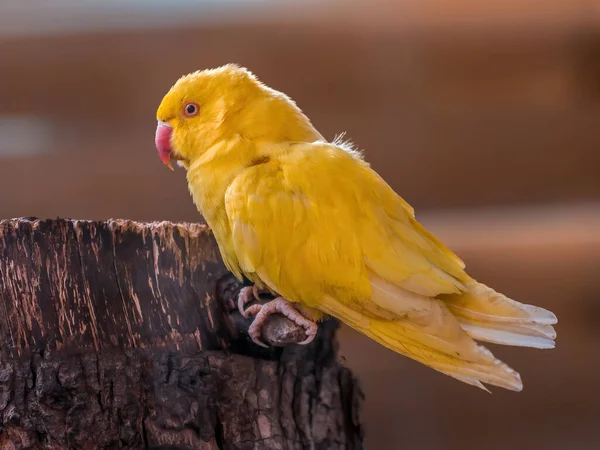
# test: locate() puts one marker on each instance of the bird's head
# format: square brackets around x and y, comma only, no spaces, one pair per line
[205,107]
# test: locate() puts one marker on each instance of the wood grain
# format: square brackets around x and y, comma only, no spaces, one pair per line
[125,335]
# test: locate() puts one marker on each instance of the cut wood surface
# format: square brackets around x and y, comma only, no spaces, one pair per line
[125,335]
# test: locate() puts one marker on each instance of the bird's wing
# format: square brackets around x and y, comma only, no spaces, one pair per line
[399,249]
[298,239]
[316,220]
[318,226]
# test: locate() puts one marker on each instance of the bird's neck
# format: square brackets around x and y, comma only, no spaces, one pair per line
[272,117]
[210,175]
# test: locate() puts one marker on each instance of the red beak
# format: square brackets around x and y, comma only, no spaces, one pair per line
[163,143]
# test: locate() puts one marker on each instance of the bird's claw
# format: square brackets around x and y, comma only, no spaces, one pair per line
[246,295]
[284,307]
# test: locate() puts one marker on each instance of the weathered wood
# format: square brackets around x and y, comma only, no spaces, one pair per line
[125,335]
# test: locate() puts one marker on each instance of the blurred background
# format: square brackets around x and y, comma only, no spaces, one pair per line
[485,116]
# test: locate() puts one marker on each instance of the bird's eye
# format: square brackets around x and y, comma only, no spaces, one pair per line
[191,109]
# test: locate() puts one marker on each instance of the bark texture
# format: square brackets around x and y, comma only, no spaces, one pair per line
[125,335]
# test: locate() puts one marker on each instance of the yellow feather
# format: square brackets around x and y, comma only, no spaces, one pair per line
[314,223]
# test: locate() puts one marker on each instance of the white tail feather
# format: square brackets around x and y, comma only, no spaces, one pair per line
[489,316]
[503,337]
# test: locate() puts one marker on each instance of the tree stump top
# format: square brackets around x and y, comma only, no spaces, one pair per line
[117,284]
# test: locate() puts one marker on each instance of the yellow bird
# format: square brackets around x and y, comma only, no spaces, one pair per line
[312,223]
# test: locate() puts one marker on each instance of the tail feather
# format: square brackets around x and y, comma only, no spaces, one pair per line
[489,316]
[473,369]
[439,332]
[509,334]
[432,337]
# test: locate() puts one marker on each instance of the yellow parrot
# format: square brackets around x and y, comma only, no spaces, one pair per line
[312,223]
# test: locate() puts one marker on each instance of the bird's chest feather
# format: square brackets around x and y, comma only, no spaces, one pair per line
[208,192]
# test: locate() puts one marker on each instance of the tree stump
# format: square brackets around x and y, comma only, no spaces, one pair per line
[123,335]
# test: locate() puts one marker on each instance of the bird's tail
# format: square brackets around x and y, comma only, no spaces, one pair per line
[439,332]
[430,334]
[489,316]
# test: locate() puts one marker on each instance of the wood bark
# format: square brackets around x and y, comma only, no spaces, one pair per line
[125,335]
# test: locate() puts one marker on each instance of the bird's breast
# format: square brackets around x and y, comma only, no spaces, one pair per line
[208,193]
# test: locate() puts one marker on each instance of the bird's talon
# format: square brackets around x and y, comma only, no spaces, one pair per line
[245,297]
[284,307]
[308,340]
[256,293]
[252,310]
[259,342]
[241,306]
[311,329]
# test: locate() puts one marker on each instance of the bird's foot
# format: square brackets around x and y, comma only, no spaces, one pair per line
[282,306]
[247,294]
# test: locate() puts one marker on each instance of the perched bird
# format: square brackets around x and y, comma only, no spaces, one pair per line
[310,222]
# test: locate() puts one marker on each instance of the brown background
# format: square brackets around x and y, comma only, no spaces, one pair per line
[486,119]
